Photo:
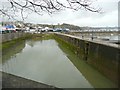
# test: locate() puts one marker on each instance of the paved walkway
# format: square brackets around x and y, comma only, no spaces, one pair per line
[98,41]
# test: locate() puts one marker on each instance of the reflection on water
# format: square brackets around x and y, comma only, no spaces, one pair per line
[44,61]
[12,51]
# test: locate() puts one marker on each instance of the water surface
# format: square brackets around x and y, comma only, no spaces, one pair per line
[43,61]
[52,62]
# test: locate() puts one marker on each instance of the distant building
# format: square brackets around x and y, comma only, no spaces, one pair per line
[10,28]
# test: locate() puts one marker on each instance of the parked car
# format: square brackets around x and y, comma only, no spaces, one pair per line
[58,30]
[65,30]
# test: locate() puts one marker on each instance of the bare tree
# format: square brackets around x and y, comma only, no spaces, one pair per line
[49,6]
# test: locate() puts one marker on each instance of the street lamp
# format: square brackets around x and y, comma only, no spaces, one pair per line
[92,35]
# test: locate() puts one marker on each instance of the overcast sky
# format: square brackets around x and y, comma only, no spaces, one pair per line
[81,17]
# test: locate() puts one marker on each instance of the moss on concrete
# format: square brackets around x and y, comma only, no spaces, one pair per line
[96,78]
[75,54]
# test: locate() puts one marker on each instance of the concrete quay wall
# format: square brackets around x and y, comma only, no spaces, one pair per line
[10,36]
[95,34]
[13,81]
[104,57]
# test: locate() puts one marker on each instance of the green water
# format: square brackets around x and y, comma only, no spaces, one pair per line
[51,62]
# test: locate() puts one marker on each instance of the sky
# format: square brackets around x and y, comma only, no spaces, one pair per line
[109,17]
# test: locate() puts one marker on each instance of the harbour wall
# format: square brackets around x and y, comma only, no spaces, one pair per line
[10,36]
[102,56]
[13,81]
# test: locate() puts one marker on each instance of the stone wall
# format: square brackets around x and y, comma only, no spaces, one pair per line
[103,57]
[10,36]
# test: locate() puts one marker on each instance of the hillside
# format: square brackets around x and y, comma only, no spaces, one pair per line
[64,25]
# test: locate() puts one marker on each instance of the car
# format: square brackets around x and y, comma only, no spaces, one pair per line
[58,30]
[65,30]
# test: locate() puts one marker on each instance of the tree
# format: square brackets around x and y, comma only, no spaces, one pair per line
[40,6]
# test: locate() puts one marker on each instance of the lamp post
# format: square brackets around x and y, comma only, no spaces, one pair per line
[92,35]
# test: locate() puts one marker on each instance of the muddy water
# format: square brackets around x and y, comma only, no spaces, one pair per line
[44,61]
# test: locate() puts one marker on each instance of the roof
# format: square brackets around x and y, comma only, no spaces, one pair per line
[9,26]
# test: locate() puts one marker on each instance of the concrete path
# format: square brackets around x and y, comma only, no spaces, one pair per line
[98,41]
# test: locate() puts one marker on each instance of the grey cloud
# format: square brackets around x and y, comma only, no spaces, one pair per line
[82,17]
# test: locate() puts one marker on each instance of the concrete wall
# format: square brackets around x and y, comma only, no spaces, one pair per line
[105,59]
[101,56]
[103,33]
[10,36]
[13,81]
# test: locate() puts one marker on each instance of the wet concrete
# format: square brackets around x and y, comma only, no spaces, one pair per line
[12,81]
[15,66]
[99,54]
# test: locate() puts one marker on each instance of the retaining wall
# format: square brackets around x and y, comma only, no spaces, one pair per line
[10,36]
[14,82]
[104,57]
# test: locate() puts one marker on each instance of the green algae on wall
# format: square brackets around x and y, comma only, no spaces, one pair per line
[75,54]
[96,78]
[105,59]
